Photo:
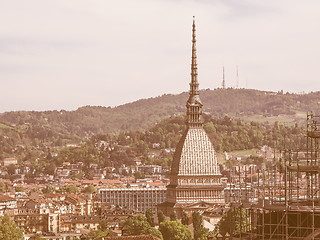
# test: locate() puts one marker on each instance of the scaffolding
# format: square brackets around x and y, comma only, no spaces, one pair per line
[282,201]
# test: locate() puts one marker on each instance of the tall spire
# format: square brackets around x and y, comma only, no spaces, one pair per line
[194,68]
[194,104]
[194,166]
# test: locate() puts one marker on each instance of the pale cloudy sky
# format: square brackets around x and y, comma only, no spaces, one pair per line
[63,54]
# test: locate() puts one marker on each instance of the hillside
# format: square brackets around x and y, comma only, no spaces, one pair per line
[151,146]
[245,104]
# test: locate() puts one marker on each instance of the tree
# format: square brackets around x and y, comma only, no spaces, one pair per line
[9,230]
[139,225]
[49,156]
[150,217]
[103,225]
[161,217]
[11,169]
[19,189]
[98,234]
[173,216]
[71,188]
[37,237]
[50,168]
[184,218]
[3,187]
[48,189]
[209,127]
[200,233]
[232,221]
[37,190]
[139,175]
[174,230]
[196,220]
[89,189]
[155,232]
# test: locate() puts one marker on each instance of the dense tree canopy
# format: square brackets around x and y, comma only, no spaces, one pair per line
[174,230]
[161,217]
[37,237]
[3,187]
[71,188]
[9,230]
[34,137]
[143,114]
[89,189]
[184,218]
[232,221]
[200,233]
[139,225]
[19,189]
[173,216]
[150,217]
[226,134]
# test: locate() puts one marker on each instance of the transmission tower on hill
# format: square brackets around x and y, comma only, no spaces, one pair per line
[223,80]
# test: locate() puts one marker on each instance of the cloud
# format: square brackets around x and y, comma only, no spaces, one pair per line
[65,54]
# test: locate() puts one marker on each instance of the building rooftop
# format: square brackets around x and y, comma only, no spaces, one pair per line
[137,237]
[195,154]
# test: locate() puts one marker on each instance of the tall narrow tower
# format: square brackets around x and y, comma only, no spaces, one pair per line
[223,80]
[194,104]
[195,176]
[237,78]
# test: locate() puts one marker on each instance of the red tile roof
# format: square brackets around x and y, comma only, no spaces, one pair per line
[6,198]
[137,237]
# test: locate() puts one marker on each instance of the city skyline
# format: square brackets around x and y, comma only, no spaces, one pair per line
[64,55]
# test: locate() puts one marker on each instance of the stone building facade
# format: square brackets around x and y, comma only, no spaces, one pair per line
[139,199]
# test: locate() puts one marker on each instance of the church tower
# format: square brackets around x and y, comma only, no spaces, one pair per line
[195,176]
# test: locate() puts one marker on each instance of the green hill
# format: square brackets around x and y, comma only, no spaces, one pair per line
[245,104]
[31,136]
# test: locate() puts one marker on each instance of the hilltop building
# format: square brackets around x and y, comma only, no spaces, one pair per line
[195,177]
[9,161]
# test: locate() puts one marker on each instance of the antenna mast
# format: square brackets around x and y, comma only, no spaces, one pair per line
[237,82]
[223,80]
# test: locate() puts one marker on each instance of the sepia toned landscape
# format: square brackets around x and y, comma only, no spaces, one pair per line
[157,127]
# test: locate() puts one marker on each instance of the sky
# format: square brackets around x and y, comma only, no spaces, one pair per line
[64,54]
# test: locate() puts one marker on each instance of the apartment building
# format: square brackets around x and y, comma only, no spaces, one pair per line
[139,199]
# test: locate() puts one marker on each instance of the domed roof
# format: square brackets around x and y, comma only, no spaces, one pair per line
[195,155]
